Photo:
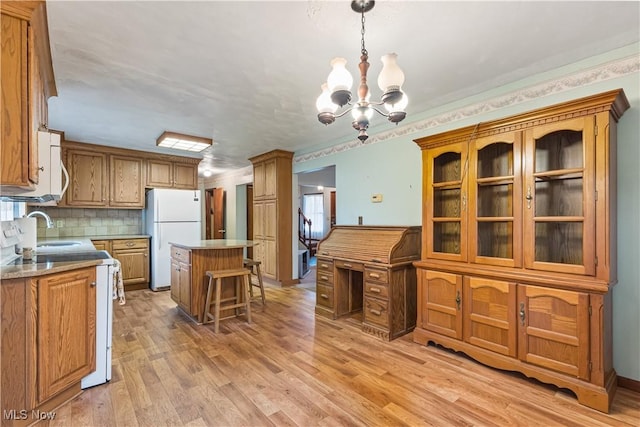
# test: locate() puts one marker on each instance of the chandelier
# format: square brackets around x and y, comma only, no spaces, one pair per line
[336,92]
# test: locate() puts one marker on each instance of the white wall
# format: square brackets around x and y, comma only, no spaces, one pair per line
[390,164]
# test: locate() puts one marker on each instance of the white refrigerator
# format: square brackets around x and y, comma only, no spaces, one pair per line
[170,216]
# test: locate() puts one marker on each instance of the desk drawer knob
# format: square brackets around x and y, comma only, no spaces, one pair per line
[374,275]
[324,277]
[325,296]
[376,312]
[375,290]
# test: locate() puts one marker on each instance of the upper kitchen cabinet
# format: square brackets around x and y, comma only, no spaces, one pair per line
[272,175]
[27,83]
[109,177]
[171,174]
[519,243]
[103,180]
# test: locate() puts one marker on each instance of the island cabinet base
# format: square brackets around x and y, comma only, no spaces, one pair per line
[188,276]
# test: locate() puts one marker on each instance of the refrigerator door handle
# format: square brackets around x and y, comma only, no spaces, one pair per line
[159,233]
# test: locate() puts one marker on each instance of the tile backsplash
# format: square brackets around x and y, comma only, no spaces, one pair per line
[76,222]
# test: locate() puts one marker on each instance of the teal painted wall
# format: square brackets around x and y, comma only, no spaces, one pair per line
[393,168]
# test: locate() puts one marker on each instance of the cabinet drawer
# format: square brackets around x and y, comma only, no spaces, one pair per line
[376,312]
[325,265]
[350,265]
[324,296]
[130,244]
[180,254]
[377,275]
[376,289]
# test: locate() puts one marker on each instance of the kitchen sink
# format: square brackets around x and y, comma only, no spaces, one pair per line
[58,244]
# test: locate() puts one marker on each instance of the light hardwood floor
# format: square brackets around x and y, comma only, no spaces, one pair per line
[290,367]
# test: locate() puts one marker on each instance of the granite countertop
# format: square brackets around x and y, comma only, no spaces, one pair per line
[214,244]
[40,269]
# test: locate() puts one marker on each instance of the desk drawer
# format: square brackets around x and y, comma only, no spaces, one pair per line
[324,265]
[324,296]
[350,265]
[180,254]
[375,274]
[130,244]
[376,312]
[376,289]
[325,278]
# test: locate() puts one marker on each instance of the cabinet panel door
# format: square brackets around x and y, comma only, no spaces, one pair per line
[175,280]
[185,176]
[126,185]
[270,220]
[270,258]
[88,179]
[66,330]
[270,178]
[559,212]
[185,289]
[258,181]
[258,220]
[495,200]
[15,103]
[134,265]
[490,314]
[159,173]
[445,211]
[554,329]
[441,302]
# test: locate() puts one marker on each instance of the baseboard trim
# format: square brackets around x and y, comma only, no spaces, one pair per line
[629,384]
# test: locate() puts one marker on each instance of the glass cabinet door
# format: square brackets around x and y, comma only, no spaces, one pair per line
[559,197]
[445,211]
[495,204]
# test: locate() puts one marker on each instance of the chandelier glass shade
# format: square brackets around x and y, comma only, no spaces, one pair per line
[336,92]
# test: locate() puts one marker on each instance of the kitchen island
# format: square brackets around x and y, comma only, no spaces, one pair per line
[191,259]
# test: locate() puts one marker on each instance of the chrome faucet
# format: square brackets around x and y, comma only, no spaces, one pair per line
[44,215]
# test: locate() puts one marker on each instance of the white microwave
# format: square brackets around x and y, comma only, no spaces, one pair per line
[49,187]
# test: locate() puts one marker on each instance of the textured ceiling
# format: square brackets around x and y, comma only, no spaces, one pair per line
[247,74]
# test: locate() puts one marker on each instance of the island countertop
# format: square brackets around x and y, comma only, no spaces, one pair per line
[213,244]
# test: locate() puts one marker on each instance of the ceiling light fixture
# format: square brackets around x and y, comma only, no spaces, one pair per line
[336,92]
[180,141]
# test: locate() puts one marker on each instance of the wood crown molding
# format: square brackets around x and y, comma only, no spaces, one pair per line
[614,101]
[130,153]
[288,155]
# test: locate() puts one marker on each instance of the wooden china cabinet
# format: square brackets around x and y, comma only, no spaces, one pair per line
[519,244]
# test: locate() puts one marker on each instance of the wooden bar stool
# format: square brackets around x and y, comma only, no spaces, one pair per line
[250,264]
[241,299]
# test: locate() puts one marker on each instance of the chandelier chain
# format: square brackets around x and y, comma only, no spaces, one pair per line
[363,49]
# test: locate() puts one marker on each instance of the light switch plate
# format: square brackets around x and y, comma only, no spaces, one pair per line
[376,198]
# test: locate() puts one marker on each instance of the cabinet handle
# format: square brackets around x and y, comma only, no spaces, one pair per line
[376,312]
[92,284]
[529,197]
[374,275]
[325,296]
[324,277]
[146,255]
[375,290]
[458,300]
[129,244]
[522,313]
[347,265]
[324,266]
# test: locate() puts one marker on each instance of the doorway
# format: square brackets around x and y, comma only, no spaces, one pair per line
[215,213]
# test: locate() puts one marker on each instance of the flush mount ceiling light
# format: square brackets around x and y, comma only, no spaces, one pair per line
[336,92]
[180,141]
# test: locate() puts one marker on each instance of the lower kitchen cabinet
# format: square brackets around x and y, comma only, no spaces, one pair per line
[48,339]
[133,255]
[181,278]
